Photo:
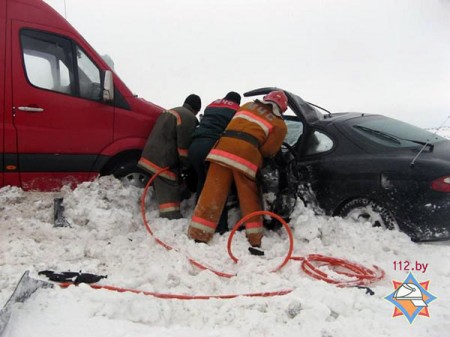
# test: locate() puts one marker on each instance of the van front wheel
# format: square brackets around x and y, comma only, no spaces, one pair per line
[130,174]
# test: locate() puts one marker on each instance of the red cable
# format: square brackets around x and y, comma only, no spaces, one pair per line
[178,296]
[162,243]
[273,215]
[359,274]
[199,265]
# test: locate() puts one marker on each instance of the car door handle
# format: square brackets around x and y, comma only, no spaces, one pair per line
[30,109]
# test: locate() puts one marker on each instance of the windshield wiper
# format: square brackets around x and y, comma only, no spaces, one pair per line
[395,138]
[378,133]
[424,144]
[421,150]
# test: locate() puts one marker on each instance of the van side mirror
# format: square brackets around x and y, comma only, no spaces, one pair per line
[108,87]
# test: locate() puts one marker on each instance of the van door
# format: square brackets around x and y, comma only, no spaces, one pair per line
[61,122]
[2,86]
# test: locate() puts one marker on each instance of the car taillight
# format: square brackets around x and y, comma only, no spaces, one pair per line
[441,184]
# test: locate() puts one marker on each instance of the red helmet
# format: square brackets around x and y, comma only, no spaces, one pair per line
[279,98]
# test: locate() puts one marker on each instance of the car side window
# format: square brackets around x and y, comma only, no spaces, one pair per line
[50,64]
[318,143]
[295,130]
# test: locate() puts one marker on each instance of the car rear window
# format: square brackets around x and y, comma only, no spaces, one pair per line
[392,132]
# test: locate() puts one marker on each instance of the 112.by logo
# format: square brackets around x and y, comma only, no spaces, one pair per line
[411,298]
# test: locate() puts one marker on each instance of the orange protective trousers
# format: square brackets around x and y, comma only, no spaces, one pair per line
[214,196]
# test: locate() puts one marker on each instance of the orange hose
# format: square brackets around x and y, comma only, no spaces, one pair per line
[273,215]
[359,275]
[179,296]
[162,243]
[144,215]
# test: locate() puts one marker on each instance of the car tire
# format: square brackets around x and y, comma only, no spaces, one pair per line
[130,174]
[366,210]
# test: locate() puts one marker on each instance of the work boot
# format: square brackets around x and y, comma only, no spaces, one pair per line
[222,228]
[255,239]
[171,215]
[198,235]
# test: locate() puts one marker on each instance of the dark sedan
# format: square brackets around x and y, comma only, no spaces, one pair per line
[363,166]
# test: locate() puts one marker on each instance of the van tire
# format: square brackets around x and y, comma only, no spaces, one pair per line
[130,174]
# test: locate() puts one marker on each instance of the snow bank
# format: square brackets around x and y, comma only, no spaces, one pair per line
[107,236]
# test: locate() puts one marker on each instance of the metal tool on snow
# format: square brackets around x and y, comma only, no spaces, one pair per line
[58,218]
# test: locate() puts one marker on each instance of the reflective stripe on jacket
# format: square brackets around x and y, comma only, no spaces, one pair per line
[168,142]
[257,120]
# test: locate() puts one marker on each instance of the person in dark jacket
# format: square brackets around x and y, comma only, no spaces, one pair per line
[167,146]
[215,119]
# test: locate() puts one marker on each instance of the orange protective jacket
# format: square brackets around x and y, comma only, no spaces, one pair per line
[257,120]
[168,143]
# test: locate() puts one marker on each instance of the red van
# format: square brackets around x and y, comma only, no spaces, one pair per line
[64,116]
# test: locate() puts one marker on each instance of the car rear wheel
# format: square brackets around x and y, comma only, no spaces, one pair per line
[130,174]
[366,210]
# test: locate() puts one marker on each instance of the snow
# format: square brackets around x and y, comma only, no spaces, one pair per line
[107,236]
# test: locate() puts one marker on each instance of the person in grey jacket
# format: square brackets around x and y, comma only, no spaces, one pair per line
[167,146]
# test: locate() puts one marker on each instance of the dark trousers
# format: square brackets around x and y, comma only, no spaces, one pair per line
[198,151]
[168,196]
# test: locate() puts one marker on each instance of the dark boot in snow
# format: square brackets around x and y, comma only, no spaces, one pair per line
[171,215]
[255,239]
[222,226]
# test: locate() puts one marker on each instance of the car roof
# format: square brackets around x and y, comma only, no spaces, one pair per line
[304,110]
[309,112]
[345,116]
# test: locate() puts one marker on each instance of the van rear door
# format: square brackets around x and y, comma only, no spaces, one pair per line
[62,124]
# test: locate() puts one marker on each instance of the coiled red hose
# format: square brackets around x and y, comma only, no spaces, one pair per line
[354,274]
[273,215]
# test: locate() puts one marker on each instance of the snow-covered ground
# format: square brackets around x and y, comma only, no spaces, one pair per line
[107,236]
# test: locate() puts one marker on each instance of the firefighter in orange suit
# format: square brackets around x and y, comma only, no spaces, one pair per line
[256,131]
[167,146]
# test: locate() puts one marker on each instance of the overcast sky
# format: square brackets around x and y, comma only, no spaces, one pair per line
[382,56]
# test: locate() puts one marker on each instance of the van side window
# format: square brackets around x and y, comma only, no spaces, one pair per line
[48,63]
[89,76]
[55,63]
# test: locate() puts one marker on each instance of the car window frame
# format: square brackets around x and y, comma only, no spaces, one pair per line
[308,130]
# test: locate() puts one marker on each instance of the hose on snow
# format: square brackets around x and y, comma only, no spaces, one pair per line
[313,265]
